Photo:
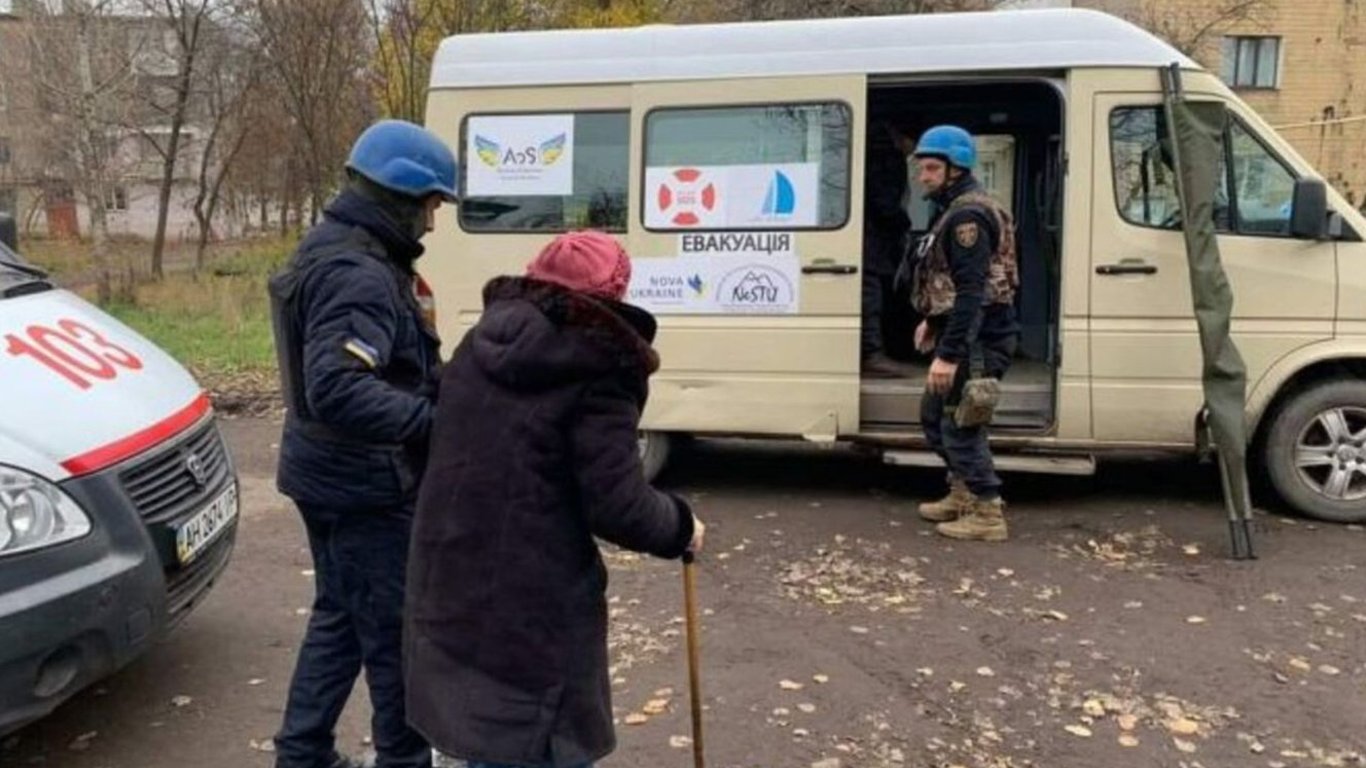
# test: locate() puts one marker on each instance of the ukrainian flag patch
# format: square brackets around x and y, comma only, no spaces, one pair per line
[363,352]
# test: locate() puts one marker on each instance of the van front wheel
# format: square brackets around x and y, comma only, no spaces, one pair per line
[654,452]
[1316,452]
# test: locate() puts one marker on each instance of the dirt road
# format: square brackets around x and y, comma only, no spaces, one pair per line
[1110,631]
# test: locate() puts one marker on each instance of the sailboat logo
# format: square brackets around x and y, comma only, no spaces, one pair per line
[781,199]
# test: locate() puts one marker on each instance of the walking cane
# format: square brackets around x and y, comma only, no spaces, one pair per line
[694,680]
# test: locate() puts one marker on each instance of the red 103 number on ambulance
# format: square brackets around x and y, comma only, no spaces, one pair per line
[74,351]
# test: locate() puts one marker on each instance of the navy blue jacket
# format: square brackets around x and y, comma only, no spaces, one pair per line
[369,364]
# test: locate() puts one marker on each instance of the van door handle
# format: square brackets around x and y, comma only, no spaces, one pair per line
[829,269]
[1127,267]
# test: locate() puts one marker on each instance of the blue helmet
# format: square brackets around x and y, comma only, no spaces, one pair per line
[405,158]
[950,142]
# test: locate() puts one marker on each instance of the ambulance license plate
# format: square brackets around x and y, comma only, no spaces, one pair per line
[197,533]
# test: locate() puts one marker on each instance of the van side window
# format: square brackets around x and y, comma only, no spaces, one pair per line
[754,167]
[598,193]
[1266,188]
[1258,203]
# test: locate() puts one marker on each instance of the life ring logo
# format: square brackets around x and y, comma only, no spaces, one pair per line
[756,288]
[687,197]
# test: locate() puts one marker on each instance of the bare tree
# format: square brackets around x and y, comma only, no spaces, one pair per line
[81,73]
[232,74]
[1192,27]
[317,52]
[760,10]
[175,58]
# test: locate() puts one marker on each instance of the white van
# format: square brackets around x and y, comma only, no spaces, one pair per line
[730,159]
[118,499]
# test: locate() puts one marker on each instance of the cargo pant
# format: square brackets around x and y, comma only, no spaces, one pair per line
[965,451]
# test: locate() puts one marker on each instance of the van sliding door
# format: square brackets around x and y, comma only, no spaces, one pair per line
[745,220]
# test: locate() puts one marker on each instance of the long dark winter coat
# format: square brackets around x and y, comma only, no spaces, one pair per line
[533,454]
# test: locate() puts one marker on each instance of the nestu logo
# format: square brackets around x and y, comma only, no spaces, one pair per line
[756,288]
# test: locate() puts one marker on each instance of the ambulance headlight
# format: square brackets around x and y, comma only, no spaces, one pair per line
[35,513]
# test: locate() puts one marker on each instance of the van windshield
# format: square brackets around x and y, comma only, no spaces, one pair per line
[18,277]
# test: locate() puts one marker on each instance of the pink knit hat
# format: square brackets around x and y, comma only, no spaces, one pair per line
[586,261]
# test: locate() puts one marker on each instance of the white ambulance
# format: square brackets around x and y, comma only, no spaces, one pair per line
[118,499]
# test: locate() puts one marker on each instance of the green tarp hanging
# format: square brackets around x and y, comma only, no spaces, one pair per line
[1197,130]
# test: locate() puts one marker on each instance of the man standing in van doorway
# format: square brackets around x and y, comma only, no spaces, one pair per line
[359,368]
[965,287]
[885,226]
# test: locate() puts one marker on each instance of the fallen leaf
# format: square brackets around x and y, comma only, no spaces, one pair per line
[1184,727]
[1300,664]
[308,573]
[680,742]
[782,712]
[807,708]
[1079,730]
[1133,604]
[800,733]
[1127,740]
[1191,549]
[1006,572]
[925,672]
[265,745]
[656,706]
[1329,669]
[256,681]
[1093,708]
[985,672]
[956,686]
[181,701]
[1195,619]
[637,718]
[1127,722]
[664,693]
[859,630]
[790,685]
[1184,746]
[822,679]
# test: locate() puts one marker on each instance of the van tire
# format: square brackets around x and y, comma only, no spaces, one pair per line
[1323,428]
[655,448]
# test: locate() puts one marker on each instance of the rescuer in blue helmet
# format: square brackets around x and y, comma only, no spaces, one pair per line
[359,366]
[965,287]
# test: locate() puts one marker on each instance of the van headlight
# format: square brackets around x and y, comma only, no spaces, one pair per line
[35,513]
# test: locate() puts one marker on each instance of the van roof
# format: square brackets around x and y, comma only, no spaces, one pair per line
[995,41]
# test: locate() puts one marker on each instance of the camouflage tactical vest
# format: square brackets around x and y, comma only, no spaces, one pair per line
[934,290]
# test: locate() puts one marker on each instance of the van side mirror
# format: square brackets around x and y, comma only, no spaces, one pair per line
[1309,210]
[9,232]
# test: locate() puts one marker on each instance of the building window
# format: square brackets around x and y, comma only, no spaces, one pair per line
[768,166]
[9,201]
[545,172]
[4,151]
[1252,62]
[116,198]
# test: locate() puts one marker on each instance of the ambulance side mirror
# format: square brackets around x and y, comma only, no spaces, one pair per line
[9,232]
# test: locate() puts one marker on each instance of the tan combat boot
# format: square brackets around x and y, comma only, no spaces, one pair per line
[983,521]
[950,507]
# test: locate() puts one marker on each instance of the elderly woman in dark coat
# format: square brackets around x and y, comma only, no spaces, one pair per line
[533,454]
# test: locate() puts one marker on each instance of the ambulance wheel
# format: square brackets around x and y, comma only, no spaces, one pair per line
[654,452]
[1316,451]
